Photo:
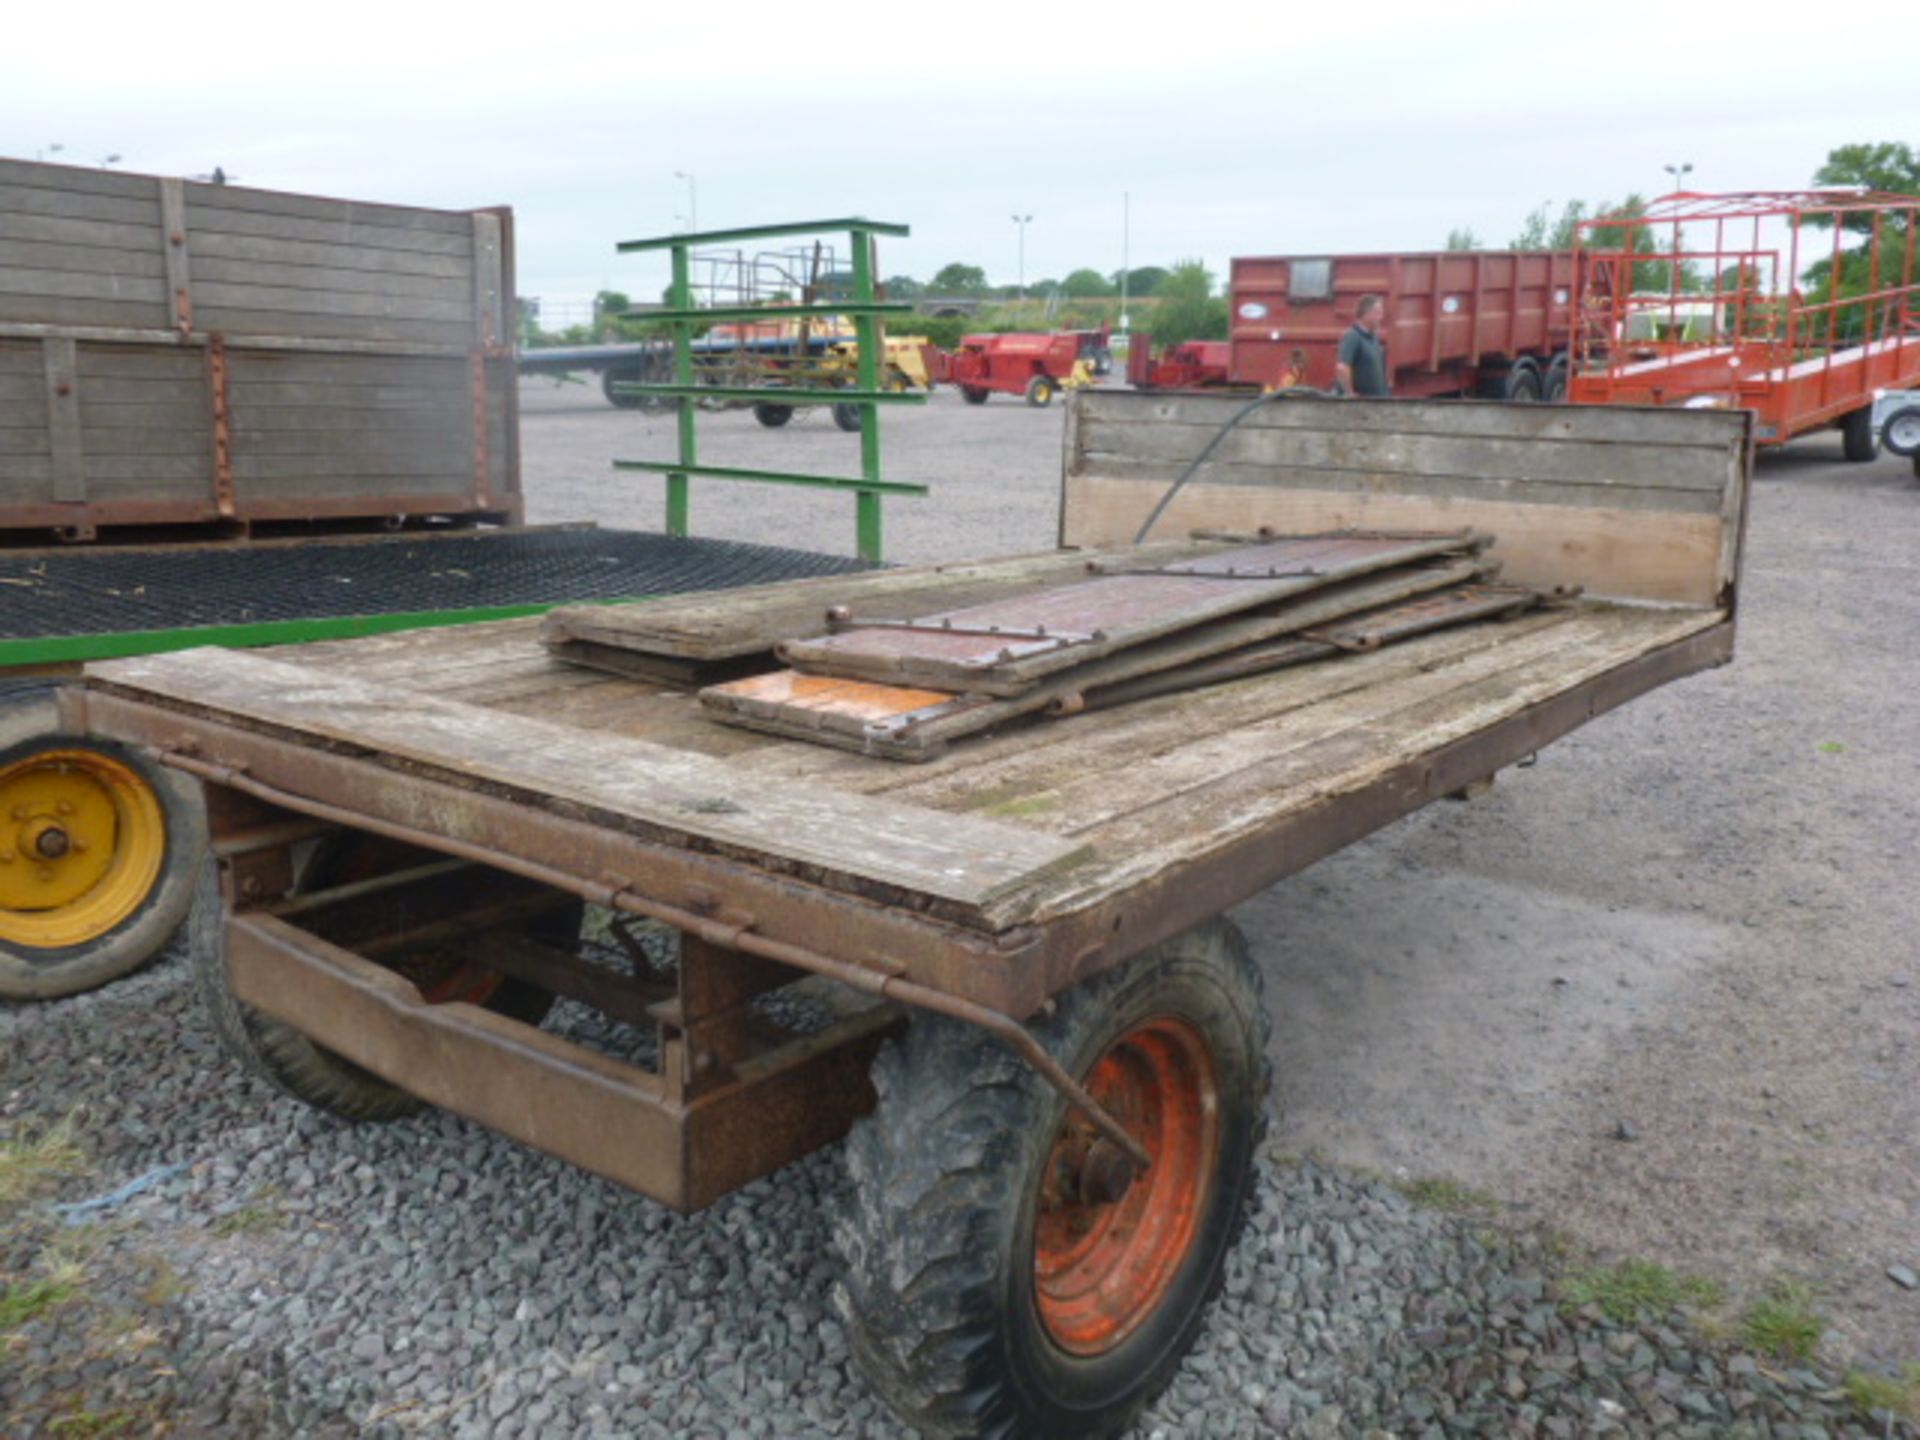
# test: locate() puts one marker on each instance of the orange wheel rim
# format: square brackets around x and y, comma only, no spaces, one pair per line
[1105,1250]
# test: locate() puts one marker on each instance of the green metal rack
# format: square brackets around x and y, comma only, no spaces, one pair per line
[863,308]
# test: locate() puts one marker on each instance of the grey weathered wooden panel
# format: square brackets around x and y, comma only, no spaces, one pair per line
[257,367]
[1575,494]
[63,421]
[286,279]
[339,231]
[320,301]
[101,285]
[69,205]
[72,311]
[214,245]
[80,259]
[433,445]
[329,423]
[249,322]
[75,178]
[107,393]
[677,798]
[17,225]
[236,198]
[250,464]
[27,439]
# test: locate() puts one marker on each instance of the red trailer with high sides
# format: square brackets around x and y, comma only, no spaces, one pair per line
[1730,301]
[1491,323]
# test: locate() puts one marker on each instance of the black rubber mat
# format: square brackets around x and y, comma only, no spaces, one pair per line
[104,591]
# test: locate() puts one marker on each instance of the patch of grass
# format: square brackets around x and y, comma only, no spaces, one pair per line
[258,1216]
[93,1424]
[1833,747]
[1783,1323]
[1437,1192]
[31,1164]
[29,1300]
[1019,806]
[1635,1287]
[1881,1395]
[163,1283]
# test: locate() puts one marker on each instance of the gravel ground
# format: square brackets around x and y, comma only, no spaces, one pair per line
[1687,926]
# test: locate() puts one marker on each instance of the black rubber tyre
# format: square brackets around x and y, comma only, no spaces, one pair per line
[1553,390]
[1858,443]
[1040,391]
[611,378]
[294,1064]
[973,394]
[847,417]
[1901,433]
[1103,362]
[773,416]
[939,1287]
[30,726]
[1523,385]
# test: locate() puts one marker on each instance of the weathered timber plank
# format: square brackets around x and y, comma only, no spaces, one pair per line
[1638,554]
[63,422]
[120,237]
[253,277]
[81,259]
[207,219]
[757,617]
[218,246]
[683,799]
[917,725]
[246,322]
[1440,488]
[74,178]
[122,286]
[1466,420]
[67,310]
[227,297]
[1090,619]
[1302,456]
[229,199]
[1155,840]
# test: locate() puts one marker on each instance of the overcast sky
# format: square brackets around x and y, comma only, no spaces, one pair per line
[1270,129]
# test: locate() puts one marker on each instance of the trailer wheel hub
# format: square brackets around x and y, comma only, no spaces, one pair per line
[82,839]
[1108,1240]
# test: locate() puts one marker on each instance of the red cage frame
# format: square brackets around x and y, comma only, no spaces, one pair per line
[1799,363]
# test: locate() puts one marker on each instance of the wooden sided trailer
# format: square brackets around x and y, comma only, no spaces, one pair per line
[1047,1043]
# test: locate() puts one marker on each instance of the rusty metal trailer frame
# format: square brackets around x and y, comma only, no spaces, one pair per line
[728,1101]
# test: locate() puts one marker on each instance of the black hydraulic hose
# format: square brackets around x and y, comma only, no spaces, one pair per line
[1242,413]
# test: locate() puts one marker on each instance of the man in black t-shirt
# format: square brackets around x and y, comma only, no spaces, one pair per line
[1362,369]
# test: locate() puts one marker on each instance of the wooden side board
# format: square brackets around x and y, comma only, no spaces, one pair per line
[847,841]
[1630,503]
[220,352]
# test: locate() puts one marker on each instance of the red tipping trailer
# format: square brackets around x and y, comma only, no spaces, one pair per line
[1195,365]
[1486,322]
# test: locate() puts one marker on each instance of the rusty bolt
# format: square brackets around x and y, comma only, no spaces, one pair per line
[51,843]
[250,885]
[6,857]
[176,238]
[838,614]
[65,807]
[63,388]
[45,872]
[20,812]
[79,847]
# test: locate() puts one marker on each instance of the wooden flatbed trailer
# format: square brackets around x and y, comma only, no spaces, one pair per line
[1050,1048]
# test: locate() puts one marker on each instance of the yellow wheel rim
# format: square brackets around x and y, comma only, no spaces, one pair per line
[82,838]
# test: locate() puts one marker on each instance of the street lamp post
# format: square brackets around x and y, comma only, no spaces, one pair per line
[50,150]
[1679,173]
[693,199]
[1022,221]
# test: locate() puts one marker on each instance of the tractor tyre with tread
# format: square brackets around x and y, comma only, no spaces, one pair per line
[773,416]
[974,394]
[987,1295]
[1040,391]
